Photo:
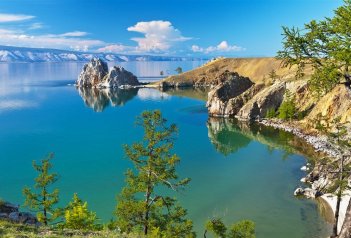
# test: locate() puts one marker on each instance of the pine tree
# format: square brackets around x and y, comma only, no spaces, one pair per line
[39,198]
[78,217]
[142,204]
[241,229]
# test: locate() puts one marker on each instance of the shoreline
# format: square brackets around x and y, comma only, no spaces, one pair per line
[321,144]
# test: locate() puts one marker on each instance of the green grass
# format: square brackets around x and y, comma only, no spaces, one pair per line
[14,230]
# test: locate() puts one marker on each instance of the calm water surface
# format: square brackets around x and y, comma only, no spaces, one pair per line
[238,171]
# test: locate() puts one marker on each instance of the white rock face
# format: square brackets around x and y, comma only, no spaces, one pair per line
[118,77]
[95,74]
[92,73]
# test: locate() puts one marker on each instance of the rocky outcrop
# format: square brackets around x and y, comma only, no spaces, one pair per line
[96,74]
[334,104]
[232,86]
[92,73]
[117,77]
[10,212]
[257,107]
[307,192]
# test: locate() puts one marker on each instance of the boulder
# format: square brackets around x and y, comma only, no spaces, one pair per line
[7,207]
[92,73]
[118,77]
[23,217]
[232,85]
[257,107]
[307,192]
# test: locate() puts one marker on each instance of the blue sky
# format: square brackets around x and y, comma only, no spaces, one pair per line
[242,28]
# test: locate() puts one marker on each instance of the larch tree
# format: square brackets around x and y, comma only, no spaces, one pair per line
[324,45]
[144,204]
[40,199]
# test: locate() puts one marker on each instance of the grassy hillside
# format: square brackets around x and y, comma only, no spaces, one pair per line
[257,69]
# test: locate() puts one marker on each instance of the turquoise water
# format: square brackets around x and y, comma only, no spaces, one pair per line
[238,171]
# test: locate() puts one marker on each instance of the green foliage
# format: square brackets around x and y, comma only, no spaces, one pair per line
[141,205]
[78,217]
[217,227]
[270,113]
[241,229]
[179,70]
[39,198]
[287,109]
[273,75]
[325,45]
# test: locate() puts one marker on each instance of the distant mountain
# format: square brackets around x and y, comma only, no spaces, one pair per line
[22,54]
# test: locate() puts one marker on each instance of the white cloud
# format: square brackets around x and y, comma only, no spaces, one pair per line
[220,48]
[75,34]
[159,36]
[14,17]
[61,41]
[116,48]
[35,26]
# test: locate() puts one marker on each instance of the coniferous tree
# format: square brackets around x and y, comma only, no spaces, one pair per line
[143,205]
[241,229]
[39,198]
[325,46]
[179,70]
[78,217]
[287,109]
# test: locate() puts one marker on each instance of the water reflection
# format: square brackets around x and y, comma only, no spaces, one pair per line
[99,99]
[226,136]
[229,135]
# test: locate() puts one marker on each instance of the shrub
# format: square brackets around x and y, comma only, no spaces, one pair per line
[287,109]
[270,113]
[78,216]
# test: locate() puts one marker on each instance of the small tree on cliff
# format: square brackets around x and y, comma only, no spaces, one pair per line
[179,70]
[325,45]
[39,198]
[141,204]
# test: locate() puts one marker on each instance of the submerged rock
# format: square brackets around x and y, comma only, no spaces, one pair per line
[232,85]
[92,73]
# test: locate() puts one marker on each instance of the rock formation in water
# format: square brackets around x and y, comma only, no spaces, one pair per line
[117,77]
[92,73]
[232,85]
[96,74]
[100,98]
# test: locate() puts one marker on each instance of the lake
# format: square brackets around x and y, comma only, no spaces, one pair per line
[238,171]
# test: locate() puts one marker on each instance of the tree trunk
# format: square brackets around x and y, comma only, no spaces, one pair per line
[147,208]
[45,213]
[338,201]
[336,218]
[346,227]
